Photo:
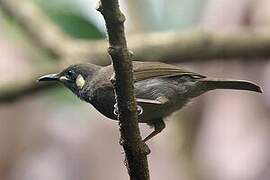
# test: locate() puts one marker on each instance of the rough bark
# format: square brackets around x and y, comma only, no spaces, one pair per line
[131,140]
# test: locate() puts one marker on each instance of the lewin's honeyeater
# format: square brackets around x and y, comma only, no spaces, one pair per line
[160,89]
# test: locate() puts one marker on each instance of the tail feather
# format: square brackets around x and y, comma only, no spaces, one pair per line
[214,83]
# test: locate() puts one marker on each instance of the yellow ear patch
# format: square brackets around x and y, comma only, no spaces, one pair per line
[80,82]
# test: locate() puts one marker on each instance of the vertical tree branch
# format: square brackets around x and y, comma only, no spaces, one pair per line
[131,141]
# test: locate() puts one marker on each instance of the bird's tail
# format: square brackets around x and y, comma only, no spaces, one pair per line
[215,83]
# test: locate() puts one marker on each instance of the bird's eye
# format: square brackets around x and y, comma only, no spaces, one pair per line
[71,73]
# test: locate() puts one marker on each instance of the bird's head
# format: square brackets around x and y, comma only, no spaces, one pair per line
[75,77]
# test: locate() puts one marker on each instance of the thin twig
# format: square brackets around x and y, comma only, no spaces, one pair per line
[131,140]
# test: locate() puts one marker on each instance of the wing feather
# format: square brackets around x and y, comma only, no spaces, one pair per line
[147,70]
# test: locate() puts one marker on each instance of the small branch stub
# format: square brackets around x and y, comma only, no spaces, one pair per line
[114,50]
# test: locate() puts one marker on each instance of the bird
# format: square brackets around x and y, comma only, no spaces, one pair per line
[159,88]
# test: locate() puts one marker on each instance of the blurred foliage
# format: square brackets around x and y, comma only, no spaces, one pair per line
[68,16]
[161,15]
[15,35]
[182,14]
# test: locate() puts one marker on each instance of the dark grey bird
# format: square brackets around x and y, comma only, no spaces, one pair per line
[160,89]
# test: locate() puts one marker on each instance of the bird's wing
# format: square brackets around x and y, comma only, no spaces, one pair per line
[149,101]
[147,70]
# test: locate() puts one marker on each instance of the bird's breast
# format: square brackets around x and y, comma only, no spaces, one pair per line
[103,100]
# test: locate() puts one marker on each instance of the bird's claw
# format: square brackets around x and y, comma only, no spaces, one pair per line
[116,111]
[113,79]
[145,149]
[139,110]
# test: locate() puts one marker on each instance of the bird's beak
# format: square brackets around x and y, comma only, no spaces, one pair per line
[49,77]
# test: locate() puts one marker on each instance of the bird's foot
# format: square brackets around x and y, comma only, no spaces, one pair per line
[116,111]
[113,79]
[144,148]
[139,110]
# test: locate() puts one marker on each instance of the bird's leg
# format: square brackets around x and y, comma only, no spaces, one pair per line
[159,125]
